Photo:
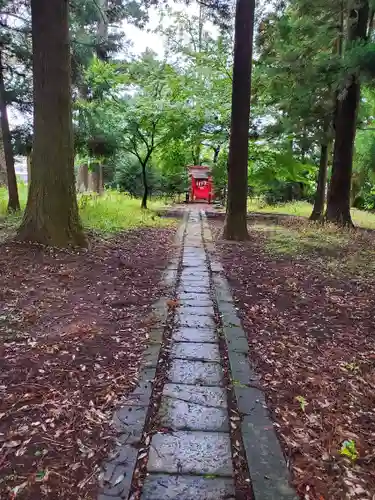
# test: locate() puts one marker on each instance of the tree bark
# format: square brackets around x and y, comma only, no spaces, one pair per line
[13,200]
[51,215]
[320,196]
[83,178]
[102,32]
[29,160]
[145,187]
[3,167]
[338,202]
[235,227]
[216,153]
[95,178]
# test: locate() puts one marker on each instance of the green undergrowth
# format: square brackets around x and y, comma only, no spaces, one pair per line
[337,250]
[114,212]
[361,218]
[22,194]
[107,214]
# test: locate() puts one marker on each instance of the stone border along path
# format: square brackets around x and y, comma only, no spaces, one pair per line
[193,459]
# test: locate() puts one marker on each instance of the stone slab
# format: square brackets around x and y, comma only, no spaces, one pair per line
[200,297]
[236,339]
[248,398]
[216,267]
[117,472]
[151,355]
[170,487]
[230,319]
[214,397]
[192,321]
[130,420]
[195,271]
[142,393]
[204,301]
[195,263]
[222,290]
[190,287]
[188,452]
[160,309]
[195,372]
[180,415]
[186,334]
[269,474]
[198,254]
[169,277]
[156,335]
[195,351]
[189,281]
[197,309]
[240,367]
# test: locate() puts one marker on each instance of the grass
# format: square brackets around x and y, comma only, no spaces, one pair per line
[107,214]
[337,250]
[22,193]
[114,212]
[303,209]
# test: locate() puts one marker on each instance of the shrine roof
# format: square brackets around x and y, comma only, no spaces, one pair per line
[200,175]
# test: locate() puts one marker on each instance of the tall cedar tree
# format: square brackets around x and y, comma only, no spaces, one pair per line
[235,227]
[13,200]
[51,215]
[320,195]
[338,201]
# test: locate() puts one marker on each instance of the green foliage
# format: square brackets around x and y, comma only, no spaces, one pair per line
[220,172]
[128,175]
[302,402]
[172,161]
[348,449]
[363,179]
[303,209]
[277,175]
[22,193]
[114,212]
[337,252]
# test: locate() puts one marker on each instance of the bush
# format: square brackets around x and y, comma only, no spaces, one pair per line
[283,191]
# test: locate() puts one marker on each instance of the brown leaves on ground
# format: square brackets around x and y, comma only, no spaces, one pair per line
[312,339]
[73,328]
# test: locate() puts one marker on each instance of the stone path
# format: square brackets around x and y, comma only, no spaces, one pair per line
[190,458]
[194,403]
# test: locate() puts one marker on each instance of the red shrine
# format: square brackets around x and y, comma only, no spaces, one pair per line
[201,187]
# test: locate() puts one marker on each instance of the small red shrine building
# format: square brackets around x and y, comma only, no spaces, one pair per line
[201,186]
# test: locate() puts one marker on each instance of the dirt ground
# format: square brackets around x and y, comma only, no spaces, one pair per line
[311,331]
[73,326]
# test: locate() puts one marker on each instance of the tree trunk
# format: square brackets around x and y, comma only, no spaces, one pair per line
[320,196]
[216,153]
[338,202]
[3,167]
[145,187]
[95,178]
[102,32]
[13,200]
[235,227]
[51,215]
[83,178]
[28,162]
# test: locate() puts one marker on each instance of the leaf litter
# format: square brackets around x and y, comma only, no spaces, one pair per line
[311,332]
[73,329]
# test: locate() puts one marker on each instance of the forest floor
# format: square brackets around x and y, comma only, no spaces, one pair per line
[306,297]
[73,328]
[361,218]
